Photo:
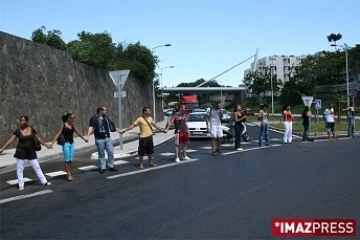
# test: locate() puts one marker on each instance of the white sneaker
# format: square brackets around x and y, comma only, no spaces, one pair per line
[177,160]
[186,158]
[239,149]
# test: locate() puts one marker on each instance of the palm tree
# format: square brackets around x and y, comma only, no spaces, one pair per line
[334,38]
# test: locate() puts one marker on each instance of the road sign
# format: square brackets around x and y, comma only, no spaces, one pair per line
[307,100]
[353,93]
[122,94]
[318,103]
[119,77]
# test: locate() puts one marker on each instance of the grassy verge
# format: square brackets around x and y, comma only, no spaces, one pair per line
[317,127]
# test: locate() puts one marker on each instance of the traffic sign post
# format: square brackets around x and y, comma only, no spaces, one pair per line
[317,107]
[119,78]
[308,100]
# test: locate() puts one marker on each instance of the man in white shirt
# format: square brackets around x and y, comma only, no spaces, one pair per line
[213,123]
[330,120]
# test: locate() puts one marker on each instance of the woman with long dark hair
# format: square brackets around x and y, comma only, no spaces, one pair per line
[26,150]
[239,117]
[287,119]
[264,125]
[306,122]
[65,137]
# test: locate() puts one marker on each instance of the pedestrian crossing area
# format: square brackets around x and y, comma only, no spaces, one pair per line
[200,150]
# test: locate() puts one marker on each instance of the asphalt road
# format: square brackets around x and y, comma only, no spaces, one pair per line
[233,196]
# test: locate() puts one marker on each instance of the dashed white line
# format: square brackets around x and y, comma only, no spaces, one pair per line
[87,168]
[152,169]
[25,196]
[54,174]
[15,181]
[252,149]
[119,162]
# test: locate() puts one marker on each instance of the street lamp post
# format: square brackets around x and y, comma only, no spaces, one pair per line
[154,98]
[161,83]
[347,70]
[271,82]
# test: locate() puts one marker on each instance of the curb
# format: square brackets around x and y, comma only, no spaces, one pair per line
[11,167]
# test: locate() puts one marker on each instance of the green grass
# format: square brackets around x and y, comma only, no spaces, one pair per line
[317,127]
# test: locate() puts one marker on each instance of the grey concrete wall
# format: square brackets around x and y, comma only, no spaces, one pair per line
[43,83]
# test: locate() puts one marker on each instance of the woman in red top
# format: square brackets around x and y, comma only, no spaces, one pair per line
[287,119]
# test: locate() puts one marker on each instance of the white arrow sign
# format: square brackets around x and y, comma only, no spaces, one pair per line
[307,100]
[119,77]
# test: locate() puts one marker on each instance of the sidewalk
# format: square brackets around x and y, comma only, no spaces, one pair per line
[129,142]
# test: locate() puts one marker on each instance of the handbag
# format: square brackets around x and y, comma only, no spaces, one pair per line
[148,124]
[61,139]
[37,145]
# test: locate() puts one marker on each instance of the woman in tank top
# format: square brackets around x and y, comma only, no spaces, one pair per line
[26,150]
[65,138]
[264,125]
[287,119]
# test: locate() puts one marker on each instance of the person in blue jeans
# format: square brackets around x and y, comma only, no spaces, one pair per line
[264,125]
[102,125]
[65,133]
[351,119]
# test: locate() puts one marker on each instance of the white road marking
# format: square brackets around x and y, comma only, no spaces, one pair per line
[207,147]
[167,154]
[87,168]
[251,124]
[294,136]
[54,174]
[119,162]
[15,181]
[25,196]
[251,149]
[191,150]
[145,157]
[152,168]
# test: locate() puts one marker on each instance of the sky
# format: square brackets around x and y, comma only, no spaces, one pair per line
[207,36]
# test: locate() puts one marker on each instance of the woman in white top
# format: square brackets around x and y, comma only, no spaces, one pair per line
[351,120]
[264,127]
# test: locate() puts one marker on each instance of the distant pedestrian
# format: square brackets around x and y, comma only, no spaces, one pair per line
[239,117]
[181,132]
[264,125]
[351,119]
[287,120]
[330,120]
[146,141]
[102,125]
[213,123]
[306,115]
[26,150]
[65,138]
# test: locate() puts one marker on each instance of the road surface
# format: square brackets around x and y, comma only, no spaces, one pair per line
[233,196]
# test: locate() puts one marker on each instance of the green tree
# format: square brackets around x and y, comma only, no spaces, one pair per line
[52,38]
[333,37]
[94,49]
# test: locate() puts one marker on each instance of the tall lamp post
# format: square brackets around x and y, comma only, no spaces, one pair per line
[161,83]
[271,82]
[154,98]
[347,70]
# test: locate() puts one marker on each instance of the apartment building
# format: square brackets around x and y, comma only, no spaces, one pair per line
[280,65]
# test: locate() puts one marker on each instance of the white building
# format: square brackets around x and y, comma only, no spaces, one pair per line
[281,65]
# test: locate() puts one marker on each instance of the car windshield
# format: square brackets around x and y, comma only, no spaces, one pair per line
[191,105]
[196,118]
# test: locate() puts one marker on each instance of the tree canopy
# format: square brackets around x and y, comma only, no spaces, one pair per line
[99,50]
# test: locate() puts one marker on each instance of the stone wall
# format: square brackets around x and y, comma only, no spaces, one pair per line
[43,83]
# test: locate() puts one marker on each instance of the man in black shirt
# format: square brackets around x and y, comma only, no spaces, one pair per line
[102,126]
